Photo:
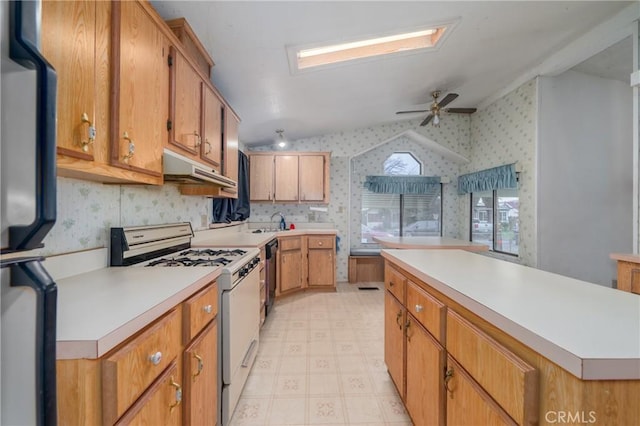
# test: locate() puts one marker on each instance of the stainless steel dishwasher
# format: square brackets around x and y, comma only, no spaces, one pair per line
[271,249]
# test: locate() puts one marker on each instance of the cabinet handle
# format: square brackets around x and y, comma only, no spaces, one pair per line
[391,284]
[178,394]
[208,309]
[447,376]
[398,320]
[207,151]
[92,132]
[419,308]
[198,138]
[406,329]
[132,148]
[200,365]
[155,358]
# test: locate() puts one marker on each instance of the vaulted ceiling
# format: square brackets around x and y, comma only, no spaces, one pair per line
[491,44]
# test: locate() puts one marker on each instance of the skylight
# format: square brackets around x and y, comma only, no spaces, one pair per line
[365,48]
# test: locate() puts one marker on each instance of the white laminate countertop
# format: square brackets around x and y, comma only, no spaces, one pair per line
[589,330]
[98,310]
[429,243]
[249,239]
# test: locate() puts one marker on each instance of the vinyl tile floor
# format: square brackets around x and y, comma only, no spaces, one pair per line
[321,361]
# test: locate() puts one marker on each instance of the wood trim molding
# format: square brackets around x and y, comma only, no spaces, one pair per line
[74,154]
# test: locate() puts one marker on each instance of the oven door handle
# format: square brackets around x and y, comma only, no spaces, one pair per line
[247,357]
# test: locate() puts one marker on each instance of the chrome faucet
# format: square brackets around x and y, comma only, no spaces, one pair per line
[275,228]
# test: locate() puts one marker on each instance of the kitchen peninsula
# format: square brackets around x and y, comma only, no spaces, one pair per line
[522,344]
[429,243]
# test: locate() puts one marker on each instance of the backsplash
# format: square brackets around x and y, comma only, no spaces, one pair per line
[86,211]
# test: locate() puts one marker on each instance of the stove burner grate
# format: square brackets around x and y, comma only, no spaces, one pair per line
[212,252]
[187,261]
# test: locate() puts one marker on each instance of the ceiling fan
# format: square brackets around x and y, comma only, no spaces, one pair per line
[438,107]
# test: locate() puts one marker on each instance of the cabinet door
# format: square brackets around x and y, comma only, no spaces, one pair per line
[290,270]
[322,267]
[286,178]
[312,177]
[211,148]
[261,177]
[140,80]
[394,317]
[467,403]
[425,366]
[161,404]
[68,43]
[186,104]
[230,147]
[201,378]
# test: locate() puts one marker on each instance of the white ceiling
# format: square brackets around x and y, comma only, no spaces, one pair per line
[492,44]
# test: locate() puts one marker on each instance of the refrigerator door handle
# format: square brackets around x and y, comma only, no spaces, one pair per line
[23,48]
[29,272]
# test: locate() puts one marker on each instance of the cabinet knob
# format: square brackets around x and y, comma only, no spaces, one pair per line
[319,243]
[156,358]
[391,284]
[178,393]
[208,309]
[419,308]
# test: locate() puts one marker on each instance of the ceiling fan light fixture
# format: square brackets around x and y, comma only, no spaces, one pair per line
[436,120]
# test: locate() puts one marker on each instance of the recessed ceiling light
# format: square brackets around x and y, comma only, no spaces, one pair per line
[365,48]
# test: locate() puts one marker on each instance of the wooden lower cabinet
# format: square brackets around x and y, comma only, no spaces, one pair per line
[160,404]
[467,403]
[200,378]
[394,317]
[166,374]
[425,385]
[289,270]
[321,260]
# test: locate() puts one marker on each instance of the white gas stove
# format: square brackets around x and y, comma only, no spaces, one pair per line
[239,287]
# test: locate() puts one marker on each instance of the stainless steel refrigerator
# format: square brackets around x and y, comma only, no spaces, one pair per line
[27,213]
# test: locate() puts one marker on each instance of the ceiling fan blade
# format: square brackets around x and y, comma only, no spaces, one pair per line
[461,110]
[427,120]
[411,112]
[447,99]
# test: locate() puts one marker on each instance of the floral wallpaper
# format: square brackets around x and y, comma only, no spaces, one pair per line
[503,133]
[87,210]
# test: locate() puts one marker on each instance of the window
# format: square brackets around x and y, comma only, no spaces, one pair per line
[389,215]
[502,204]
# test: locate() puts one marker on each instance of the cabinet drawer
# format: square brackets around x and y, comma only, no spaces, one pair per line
[128,372]
[395,282]
[510,381]
[198,311]
[290,243]
[321,242]
[428,310]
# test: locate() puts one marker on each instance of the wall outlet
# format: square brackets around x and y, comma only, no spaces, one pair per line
[204,220]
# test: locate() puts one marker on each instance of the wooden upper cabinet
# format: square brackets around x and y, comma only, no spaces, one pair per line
[140,95]
[261,177]
[69,44]
[211,147]
[230,149]
[312,177]
[186,105]
[286,178]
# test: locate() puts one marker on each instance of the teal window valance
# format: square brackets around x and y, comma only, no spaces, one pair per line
[487,180]
[402,184]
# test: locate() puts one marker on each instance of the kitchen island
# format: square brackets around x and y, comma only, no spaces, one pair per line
[525,345]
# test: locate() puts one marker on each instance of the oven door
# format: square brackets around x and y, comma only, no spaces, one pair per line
[240,331]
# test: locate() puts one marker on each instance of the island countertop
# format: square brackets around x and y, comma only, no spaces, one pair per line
[591,331]
[429,243]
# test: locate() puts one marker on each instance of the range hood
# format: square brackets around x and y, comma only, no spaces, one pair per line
[178,168]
